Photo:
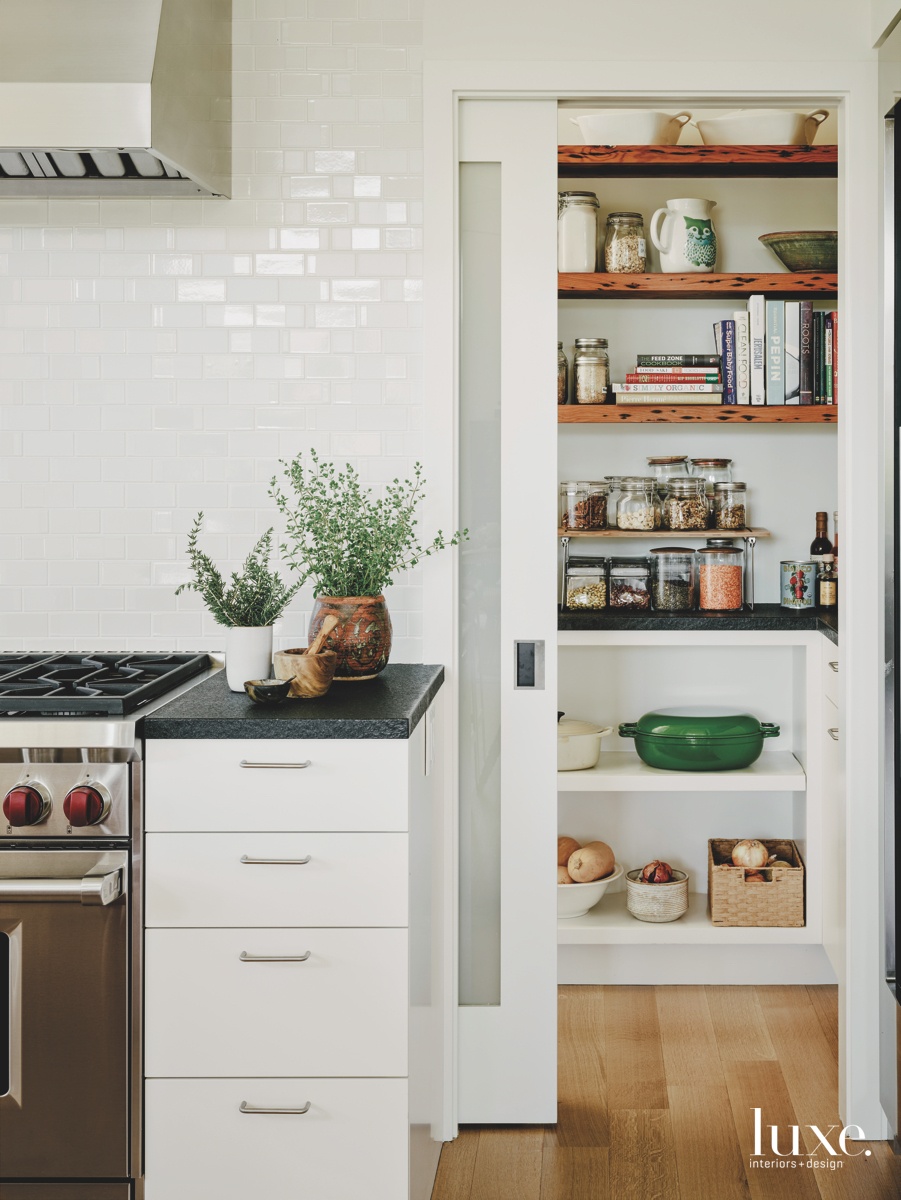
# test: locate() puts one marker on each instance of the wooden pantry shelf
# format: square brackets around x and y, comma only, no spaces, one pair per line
[701,285]
[684,534]
[610,923]
[735,414]
[623,771]
[637,162]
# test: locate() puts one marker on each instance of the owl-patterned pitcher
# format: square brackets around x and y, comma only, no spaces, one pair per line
[686,238]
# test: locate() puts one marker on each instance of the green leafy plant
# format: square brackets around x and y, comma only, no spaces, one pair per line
[347,542]
[252,596]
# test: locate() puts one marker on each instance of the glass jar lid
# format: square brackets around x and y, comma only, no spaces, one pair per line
[587,562]
[579,198]
[720,543]
[666,460]
[591,343]
[735,486]
[599,486]
[574,485]
[625,218]
[711,462]
[629,565]
[687,484]
[721,550]
[675,551]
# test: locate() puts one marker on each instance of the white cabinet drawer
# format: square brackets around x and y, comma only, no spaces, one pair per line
[351,879]
[350,1144]
[341,1011]
[352,785]
[831,669]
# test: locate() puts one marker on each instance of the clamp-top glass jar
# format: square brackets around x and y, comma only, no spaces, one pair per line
[638,506]
[577,231]
[673,579]
[685,505]
[591,371]
[625,248]
[667,467]
[730,505]
[574,505]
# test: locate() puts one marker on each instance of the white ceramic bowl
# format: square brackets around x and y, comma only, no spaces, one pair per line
[630,127]
[762,127]
[575,899]
[579,744]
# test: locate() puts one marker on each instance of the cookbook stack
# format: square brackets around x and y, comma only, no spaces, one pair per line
[672,379]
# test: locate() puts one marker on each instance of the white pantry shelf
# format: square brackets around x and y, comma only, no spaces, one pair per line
[611,924]
[623,771]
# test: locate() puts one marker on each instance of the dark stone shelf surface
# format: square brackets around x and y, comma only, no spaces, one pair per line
[763,617]
[389,706]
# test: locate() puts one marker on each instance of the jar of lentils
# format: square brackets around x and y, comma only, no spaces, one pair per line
[730,505]
[721,578]
[673,579]
[625,250]
[685,505]
[638,506]
[591,371]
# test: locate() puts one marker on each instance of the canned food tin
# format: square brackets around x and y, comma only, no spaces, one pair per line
[798,580]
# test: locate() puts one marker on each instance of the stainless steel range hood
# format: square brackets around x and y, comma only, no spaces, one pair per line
[105,97]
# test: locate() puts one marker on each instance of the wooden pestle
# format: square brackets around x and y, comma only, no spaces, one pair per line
[325,629]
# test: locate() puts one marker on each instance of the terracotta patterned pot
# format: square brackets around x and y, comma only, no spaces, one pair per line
[362,637]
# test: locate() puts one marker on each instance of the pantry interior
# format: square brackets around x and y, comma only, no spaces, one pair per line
[612,673]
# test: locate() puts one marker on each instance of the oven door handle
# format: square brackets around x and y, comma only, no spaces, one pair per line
[92,889]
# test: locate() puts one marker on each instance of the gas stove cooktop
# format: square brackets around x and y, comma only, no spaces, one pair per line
[87,684]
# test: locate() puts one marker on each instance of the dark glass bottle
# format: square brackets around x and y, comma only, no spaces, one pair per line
[827,585]
[820,546]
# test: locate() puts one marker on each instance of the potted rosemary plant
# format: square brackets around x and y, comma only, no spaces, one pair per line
[352,545]
[247,604]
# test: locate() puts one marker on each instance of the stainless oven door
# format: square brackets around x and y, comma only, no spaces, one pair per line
[64,1015]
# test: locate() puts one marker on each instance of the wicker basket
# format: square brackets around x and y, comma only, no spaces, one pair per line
[657,902]
[735,900]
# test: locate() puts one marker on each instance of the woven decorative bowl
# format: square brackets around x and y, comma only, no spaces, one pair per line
[657,902]
[805,250]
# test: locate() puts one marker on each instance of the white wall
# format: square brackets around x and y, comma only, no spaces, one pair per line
[159,356]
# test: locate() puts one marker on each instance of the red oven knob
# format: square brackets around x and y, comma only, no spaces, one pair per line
[85,805]
[25,805]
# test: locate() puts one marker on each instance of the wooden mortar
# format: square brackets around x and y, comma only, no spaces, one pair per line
[310,674]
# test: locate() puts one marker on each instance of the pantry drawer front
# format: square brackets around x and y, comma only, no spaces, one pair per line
[831,671]
[351,1143]
[193,786]
[341,1011]
[342,879]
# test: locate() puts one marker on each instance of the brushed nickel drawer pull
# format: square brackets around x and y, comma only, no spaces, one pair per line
[834,666]
[277,766]
[249,1108]
[833,733]
[245,957]
[296,862]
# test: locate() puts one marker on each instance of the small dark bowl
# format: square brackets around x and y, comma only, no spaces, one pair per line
[804,250]
[268,691]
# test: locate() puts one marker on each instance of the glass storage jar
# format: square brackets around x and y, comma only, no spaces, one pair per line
[625,248]
[630,583]
[598,493]
[577,231]
[685,505]
[591,371]
[667,467]
[673,579]
[562,375]
[721,578]
[638,506]
[586,584]
[730,505]
[574,504]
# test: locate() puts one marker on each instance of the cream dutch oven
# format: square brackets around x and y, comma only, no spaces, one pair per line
[579,743]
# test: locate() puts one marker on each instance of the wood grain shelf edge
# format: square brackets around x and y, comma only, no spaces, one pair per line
[733,414]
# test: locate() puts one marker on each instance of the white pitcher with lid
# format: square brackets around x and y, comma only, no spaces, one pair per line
[683,233]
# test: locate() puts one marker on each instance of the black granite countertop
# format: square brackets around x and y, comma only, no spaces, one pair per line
[389,706]
[763,617]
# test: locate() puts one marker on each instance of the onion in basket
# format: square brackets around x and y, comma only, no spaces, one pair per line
[750,853]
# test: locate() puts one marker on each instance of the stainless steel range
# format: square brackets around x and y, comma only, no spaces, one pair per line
[71,918]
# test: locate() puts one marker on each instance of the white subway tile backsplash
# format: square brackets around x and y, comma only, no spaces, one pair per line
[158,356]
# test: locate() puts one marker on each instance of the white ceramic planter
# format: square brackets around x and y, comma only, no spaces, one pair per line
[248,654]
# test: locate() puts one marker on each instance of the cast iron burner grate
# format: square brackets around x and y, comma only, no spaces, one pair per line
[90,684]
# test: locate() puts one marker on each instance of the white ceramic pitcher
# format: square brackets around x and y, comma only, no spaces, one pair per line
[683,233]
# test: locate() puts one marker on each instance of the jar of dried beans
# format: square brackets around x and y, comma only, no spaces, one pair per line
[630,583]
[625,250]
[586,584]
[685,505]
[638,506]
[598,493]
[673,579]
[562,375]
[591,371]
[574,505]
[721,578]
[730,505]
